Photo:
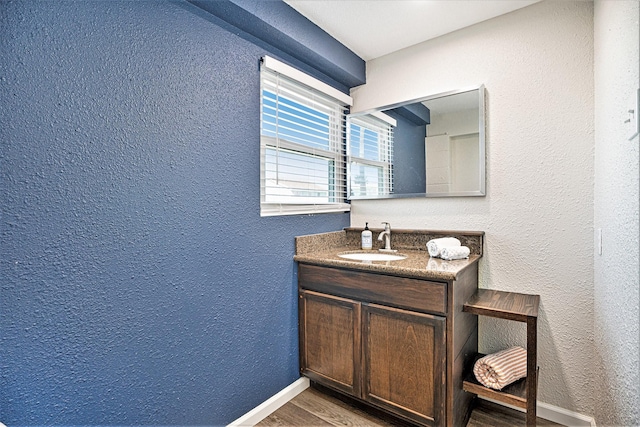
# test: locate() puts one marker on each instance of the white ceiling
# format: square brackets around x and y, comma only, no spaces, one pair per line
[373,28]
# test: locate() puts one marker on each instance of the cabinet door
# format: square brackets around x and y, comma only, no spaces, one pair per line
[330,349]
[404,362]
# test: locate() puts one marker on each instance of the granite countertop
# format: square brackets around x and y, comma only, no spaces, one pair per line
[323,249]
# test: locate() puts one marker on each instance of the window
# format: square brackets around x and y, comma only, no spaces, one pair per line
[370,155]
[302,143]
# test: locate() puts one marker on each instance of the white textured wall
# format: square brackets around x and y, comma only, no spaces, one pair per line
[616,298]
[537,65]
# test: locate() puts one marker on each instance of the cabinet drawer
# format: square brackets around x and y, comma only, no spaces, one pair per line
[416,294]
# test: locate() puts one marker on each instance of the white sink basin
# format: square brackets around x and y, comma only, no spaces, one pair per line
[371,256]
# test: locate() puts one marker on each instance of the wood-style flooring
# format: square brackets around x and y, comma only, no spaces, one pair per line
[317,407]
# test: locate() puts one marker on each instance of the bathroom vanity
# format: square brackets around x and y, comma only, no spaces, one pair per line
[391,334]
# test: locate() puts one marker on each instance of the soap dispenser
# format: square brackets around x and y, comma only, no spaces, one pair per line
[367,240]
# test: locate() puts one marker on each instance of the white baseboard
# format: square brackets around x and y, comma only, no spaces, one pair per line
[269,406]
[556,414]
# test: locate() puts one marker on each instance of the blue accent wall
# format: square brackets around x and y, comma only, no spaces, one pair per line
[139,284]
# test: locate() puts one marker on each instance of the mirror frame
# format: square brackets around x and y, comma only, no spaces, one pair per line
[482,145]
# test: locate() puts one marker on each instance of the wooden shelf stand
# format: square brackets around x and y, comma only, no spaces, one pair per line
[520,308]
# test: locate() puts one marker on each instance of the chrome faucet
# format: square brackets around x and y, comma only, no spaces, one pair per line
[386,234]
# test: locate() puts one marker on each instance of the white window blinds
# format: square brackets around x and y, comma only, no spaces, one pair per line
[370,156]
[302,143]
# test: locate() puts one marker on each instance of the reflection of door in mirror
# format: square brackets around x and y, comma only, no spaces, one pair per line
[438,160]
[452,144]
[452,163]
[464,162]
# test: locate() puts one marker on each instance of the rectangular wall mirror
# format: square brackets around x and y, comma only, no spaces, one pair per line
[428,147]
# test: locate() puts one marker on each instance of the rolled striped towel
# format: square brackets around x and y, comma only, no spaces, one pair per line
[434,246]
[454,252]
[500,369]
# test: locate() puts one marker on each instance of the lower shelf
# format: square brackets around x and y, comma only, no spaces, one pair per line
[514,394]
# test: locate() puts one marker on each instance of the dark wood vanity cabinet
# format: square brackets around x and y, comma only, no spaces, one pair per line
[396,343]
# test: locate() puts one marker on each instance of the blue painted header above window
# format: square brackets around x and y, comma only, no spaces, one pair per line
[416,113]
[279,25]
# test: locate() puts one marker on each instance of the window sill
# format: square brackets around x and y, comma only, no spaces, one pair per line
[279,210]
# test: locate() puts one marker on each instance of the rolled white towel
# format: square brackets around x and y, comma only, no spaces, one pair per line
[434,246]
[500,369]
[454,252]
